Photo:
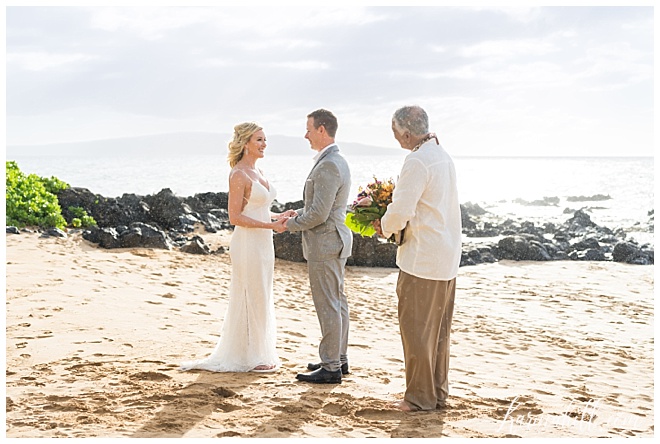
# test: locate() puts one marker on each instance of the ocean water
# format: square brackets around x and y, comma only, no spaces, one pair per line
[504,186]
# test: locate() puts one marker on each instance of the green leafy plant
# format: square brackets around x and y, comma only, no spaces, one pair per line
[32,200]
[81,218]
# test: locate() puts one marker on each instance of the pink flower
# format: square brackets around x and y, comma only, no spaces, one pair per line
[364,202]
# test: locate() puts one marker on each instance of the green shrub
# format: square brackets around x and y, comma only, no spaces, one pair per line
[32,200]
[81,218]
[54,185]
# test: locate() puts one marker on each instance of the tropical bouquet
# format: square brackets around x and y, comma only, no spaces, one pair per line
[371,204]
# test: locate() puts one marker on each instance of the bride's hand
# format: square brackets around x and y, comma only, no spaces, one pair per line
[287,214]
[279,225]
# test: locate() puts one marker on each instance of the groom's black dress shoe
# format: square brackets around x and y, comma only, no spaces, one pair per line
[321,376]
[344,367]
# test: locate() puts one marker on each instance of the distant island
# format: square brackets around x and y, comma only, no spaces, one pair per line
[181,142]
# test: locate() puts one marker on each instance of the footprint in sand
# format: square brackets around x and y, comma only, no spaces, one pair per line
[379,414]
[541,392]
[312,402]
[290,408]
[228,434]
[150,376]
[224,392]
[88,364]
[337,409]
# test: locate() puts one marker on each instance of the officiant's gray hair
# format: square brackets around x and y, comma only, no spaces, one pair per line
[412,119]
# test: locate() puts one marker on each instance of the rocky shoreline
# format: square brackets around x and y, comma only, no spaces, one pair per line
[166,221]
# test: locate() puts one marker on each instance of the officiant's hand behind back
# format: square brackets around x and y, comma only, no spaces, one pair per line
[376,225]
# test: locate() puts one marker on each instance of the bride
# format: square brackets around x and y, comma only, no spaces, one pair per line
[247,342]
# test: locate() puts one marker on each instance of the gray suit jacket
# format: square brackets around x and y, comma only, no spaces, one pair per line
[325,236]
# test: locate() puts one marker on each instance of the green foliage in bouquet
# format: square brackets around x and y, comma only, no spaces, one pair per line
[32,200]
[361,222]
[371,204]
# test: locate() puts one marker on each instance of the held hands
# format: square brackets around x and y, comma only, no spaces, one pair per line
[279,226]
[287,214]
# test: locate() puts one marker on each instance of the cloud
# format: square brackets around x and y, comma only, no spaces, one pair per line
[484,71]
[154,23]
[46,61]
[511,75]
[216,62]
[523,14]
[509,48]
[150,23]
[617,59]
[306,65]
[276,44]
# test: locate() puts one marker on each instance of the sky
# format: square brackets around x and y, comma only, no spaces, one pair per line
[495,81]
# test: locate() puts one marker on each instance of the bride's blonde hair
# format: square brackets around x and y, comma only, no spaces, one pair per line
[242,134]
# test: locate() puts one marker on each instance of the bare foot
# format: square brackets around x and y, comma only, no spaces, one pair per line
[263,368]
[404,406]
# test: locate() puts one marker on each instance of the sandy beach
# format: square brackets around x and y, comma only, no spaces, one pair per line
[94,339]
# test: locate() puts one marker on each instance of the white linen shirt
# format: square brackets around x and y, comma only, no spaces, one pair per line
[425,201]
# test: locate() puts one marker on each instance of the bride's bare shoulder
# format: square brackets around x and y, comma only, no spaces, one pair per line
[238,174]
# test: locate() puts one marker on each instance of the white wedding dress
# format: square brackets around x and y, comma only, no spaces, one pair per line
[249,332]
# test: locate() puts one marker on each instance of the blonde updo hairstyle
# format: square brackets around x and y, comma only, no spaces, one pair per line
[242,134]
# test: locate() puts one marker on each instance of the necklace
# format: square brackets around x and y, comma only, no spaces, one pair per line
[426,138]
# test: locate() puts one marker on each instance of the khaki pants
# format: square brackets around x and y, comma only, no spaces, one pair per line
[426,308]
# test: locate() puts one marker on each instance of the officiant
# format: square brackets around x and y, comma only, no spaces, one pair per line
[425,211]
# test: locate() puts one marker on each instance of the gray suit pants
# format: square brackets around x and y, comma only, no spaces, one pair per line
[326,279]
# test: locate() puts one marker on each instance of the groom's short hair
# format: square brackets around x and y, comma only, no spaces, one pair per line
[325,118]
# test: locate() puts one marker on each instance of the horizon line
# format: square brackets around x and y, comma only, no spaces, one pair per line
[456,156]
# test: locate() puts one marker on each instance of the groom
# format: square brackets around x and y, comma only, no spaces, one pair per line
[327,243]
